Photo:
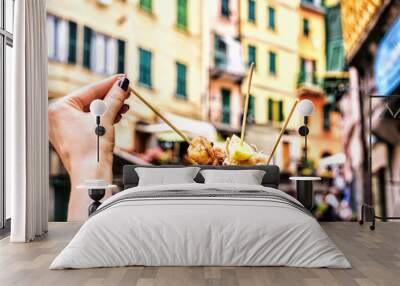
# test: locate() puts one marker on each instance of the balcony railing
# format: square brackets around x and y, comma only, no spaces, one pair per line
[310,80]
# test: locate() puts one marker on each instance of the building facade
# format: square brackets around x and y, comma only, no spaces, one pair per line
[371,44]
[225,66]
[269,36]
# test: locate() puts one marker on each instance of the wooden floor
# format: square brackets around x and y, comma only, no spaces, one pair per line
[375,257]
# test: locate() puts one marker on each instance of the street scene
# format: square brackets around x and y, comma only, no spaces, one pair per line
[191,60]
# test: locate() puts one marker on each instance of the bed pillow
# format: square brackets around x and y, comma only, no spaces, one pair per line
[248,177]
[166,176]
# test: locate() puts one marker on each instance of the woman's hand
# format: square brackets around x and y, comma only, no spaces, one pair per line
[72,134]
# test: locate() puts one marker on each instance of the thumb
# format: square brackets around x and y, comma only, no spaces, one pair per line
[115,99]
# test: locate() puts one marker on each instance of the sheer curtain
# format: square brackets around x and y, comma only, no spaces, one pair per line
[26,117]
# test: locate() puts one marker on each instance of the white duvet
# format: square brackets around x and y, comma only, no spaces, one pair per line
[188,231]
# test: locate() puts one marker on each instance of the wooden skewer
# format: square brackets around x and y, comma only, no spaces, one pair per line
[159,114]
[246,104]
[282,130]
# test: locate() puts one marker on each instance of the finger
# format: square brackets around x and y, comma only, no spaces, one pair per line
[118,119]
[115,99]
[124,109]
[84,96]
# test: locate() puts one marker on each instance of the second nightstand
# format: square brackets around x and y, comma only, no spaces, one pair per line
[304,190]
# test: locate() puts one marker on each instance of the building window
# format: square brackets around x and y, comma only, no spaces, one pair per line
[308,72]
[275,111]
[181,80]
[6,62]
[182,14]
[281,115]
[251,111]
[225,12]
[271,18]
[252,11]
[272,63]
[62,39]
[326,119]
[306,27]
[145,67]
[101,53]
[226,106]
[220,52]
[87,42]
[146,5]
[252,55]
[121,56]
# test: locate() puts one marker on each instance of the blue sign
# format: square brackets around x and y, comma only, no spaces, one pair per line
[387,61]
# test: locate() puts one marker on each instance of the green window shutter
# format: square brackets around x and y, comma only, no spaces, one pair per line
[145,67]
[272,63]
[270,109]
[146,5]
[121,56]
[326,120]
[306,27]
[181,80]
[87,41]
[252,11]
[182,14]
[271,18]
[226,106]
[252,55]
[72,27]
[225,8]
[251,110]
[281,115]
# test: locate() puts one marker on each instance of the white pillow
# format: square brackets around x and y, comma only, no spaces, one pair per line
[248,177]
[166,176]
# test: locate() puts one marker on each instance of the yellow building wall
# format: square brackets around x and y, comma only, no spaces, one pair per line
[313,46]
[282,41]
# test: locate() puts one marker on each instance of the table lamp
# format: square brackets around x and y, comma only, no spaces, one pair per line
[305,109]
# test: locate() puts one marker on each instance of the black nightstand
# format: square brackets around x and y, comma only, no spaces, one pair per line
[304,190]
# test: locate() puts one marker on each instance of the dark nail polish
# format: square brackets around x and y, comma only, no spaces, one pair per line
[124,83]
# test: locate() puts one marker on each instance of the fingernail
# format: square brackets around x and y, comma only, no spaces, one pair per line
[124,83]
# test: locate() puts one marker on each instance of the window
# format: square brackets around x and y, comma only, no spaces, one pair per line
[226,106]
[6,45]
[326,119]
[146,5]
[87,41]
[225,12]
[306,27]
[181,80]
[121,56]
[252,55]
[102,54]
[182,14]
[251,110]
[220,52]
[145,67]
[62,39]
[271,18]
[252,11]
[308,71]
[272,63]
[275,111]
[270,104]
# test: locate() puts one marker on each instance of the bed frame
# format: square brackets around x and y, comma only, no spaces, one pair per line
[270,179]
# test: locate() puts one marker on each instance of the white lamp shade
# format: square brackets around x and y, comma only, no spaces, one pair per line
[98,107]
[305,107]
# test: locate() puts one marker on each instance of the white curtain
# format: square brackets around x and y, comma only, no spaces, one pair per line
[26,117]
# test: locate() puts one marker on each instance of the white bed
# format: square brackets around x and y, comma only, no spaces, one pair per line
[203,225]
